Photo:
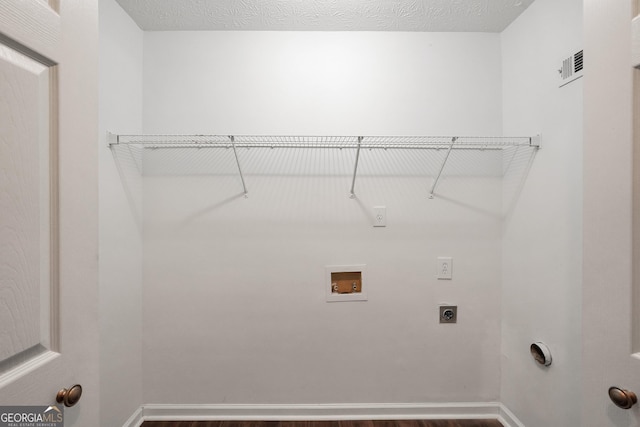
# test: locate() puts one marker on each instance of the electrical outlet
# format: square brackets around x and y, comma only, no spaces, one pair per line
[445,268]
[448,313]
[379,216]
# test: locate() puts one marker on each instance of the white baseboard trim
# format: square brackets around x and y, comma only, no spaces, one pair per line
[427,411]
[508,418]
[136,419]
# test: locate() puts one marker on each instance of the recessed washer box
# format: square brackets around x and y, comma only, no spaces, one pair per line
[345,283]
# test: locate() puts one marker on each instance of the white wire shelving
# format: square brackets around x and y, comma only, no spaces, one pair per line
[357,143]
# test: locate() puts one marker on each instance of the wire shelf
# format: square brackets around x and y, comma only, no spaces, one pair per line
[357,143]
[332,142]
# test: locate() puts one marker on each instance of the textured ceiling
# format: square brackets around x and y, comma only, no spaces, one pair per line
[325,15]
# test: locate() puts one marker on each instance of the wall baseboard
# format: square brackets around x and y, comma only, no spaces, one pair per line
[508,418]
[136,419]
[433,411]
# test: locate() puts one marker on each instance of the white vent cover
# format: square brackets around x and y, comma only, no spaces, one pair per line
[571,68]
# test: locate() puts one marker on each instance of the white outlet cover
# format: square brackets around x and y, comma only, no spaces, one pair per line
[445,268]
[379,216]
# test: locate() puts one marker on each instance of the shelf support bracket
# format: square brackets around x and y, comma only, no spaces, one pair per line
[444,162]
[534,141]
[112,139]
[235,153]
[355,170]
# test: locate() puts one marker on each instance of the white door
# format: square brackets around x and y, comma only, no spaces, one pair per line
[611,299]
[48,204]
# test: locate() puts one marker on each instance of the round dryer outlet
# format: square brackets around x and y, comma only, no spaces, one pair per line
[448,313]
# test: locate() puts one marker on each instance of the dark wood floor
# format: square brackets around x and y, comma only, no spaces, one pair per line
[381,423]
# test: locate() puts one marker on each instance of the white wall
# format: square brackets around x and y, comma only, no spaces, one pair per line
[542,246]
[120,238]
[322,83]
[234,308]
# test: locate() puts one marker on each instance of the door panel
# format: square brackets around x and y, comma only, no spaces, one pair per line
[635,62]
[607,301]
[25,240]
[48,204]
[33,25]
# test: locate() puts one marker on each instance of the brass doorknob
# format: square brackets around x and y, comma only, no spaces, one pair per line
[69,397]
[624,399]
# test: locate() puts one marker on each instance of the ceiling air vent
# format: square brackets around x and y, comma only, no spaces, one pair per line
[571,68]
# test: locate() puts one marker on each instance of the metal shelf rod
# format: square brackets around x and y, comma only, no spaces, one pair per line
[156,146]
[235,153]
[355,170]
[444,162]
